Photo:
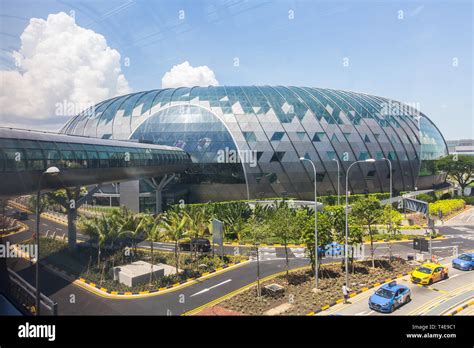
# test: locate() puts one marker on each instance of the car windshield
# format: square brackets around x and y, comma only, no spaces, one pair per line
[424,270]
[384,293]
[465,257]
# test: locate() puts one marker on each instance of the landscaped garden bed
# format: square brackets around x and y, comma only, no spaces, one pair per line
[298,288]
[83,264]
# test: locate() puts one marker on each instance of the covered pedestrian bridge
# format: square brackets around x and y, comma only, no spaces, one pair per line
[26,155]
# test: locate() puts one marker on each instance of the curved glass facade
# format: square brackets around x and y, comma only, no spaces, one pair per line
[256,135]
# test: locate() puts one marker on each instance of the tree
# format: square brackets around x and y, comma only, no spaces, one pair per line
[459,168]
[355,237]
[234,216]
[99,229]
[174,225]
[257,230]
[325,231]
[109,228]
[368,212]
[198,225]
[153,233]
[285,226]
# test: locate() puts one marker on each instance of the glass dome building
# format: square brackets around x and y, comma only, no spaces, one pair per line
[247,140]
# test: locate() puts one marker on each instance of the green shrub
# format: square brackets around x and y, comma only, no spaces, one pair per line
[469,200]
[446,206]
[426,197]
[445,195]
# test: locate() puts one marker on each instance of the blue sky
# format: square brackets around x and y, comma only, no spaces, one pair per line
[408,59]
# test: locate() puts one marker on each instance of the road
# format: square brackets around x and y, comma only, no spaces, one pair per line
[436,299]
[74,300]
[441,296]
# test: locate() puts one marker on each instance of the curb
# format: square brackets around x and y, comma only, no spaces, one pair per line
[461,308]
[136,294]
[182,283]
[326,307]
[458,213]
[239,290]
[43,215]
[22,228]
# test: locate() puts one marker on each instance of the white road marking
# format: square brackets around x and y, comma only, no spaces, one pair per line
[212,287]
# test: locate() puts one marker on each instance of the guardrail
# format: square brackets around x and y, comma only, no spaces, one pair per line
[25,294]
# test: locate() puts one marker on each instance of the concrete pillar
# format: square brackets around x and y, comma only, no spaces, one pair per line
[159,186]
[130,195]
[71,229]
[71,209]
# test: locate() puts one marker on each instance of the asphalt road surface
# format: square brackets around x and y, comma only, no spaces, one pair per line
[436,299]
[74,300]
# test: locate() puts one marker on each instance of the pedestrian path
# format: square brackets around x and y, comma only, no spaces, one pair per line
[272,253]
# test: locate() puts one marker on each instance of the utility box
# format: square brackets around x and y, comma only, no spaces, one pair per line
[138,272]
[421,244]
[273,290]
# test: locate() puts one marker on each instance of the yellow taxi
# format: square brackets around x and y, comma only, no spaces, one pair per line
[428,273]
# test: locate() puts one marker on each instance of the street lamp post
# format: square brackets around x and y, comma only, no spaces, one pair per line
[370,160]
[316,275]
[50,171]
[390,201]
[338,180]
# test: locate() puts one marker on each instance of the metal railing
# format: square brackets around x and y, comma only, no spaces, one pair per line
[24,294]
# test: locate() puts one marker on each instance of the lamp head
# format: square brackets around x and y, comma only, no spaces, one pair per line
[52,171]
[370,160]
[302,158]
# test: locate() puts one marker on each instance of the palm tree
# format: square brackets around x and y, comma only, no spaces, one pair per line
[99,228]
[154,233]
[109,228]
[174,228]
[198,225]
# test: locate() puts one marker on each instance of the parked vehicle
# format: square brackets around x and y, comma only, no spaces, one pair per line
[195,244]
[20,215]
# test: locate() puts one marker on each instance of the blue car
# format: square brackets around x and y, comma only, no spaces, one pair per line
[465,262]
[389,297]
[333,249]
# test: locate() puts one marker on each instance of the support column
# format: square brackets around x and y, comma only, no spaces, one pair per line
[130,195]
[159,186]
[73,202]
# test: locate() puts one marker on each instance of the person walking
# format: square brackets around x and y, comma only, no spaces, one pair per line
[345,292]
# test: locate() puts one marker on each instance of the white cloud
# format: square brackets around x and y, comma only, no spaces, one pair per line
[184,75]
[62,68]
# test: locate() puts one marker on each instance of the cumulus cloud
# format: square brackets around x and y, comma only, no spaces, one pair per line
[185,75]
[61,69]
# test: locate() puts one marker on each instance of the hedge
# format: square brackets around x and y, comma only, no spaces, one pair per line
[446,206]
[469,200]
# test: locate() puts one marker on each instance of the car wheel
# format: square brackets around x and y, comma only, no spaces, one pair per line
[408,299]
[430,282]
[445,276]
[392,308]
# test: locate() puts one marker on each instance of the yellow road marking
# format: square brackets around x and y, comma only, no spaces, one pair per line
[235,292]
[435,300]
